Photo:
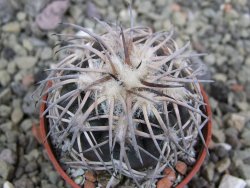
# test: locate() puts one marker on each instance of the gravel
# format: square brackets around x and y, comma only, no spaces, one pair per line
[46,53]
[25,62]
[7,184]
[6,170]
[12,27]
[229,181]
[4,111]
[17,115]
[219,28]
[222,165]
[26,125]
[4,78]
[209,171]
[8,156]
[24,182]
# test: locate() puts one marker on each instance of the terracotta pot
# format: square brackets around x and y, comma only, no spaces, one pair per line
[41,132]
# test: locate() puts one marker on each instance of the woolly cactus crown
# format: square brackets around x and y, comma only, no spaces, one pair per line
[125,101]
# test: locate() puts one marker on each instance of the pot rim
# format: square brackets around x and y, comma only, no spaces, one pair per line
[207,131]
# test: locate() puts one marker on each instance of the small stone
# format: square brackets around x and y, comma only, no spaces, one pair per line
[4,78]
[28,106]
[46,53]
[245,21]
[53,177]
[31,167]
[12,68]
[181,167]
[52,15]
[175,7]
[12,27]
[145,7]
[28,80]
[24,182]
[48,186]
[17,115]
[5,95]
[19,172]
[179,18]
[223,165]
[32,8]
[11,135]
[7,184]
[170,174]
[6,11]
[220,77]
[124,15]
[21,16]
[248,182]
[219,91]
[32,155]
[25,62]
[199,182]
[90,176]
[27,44]
[241,2]
[208,12]
[237,121]
[244,170]
[246,137]
[220,60]
[78,172]
[160,3]
[6,126]
[244,33]
[26,124]
[8,156]
[243,106]
[78,180]
[18,89]
[77,14]
[16,102]
[6,170]
[19,75]
[3,63]
[8,53]
[102,3]
[226,38]
[247,62]
[210,59]
[209,171]
[164,183]
[218,135]
[232,137]
[221,152]
[92,11]
[242,154]
[4,111]
[237,87]
[229,181]
[88,23]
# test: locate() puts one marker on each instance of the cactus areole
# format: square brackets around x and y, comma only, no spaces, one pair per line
[128,103]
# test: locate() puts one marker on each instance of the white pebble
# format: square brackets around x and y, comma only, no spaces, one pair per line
[7,184]
[229,181]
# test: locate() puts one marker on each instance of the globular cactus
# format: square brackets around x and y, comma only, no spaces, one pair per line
[126,101]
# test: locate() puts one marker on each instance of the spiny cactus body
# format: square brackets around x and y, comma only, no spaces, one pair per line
[127,102]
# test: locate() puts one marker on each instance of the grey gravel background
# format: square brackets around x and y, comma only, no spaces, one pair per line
[220,28]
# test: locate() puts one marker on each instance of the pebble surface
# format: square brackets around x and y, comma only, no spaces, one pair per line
[219,28]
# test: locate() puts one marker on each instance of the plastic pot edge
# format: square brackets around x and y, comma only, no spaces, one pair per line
[40,134]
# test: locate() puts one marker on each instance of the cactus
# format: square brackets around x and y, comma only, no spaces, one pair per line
[127,102]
